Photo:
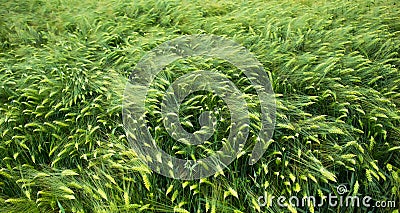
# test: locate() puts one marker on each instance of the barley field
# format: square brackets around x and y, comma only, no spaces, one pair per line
[333,65]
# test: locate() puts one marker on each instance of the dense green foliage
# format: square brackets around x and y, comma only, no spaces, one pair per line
[334,66]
